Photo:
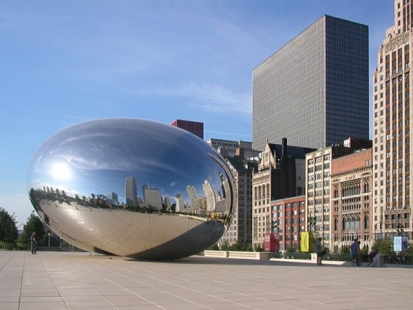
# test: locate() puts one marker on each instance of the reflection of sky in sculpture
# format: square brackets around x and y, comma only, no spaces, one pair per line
[86,183]
[100,154]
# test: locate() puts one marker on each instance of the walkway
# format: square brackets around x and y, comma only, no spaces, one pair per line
[57,280]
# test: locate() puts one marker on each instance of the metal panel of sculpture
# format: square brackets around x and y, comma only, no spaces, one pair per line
[133,188]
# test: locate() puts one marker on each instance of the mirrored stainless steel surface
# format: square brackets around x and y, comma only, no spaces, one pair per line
[132,187]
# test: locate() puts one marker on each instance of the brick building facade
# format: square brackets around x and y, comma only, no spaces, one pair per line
[351,199]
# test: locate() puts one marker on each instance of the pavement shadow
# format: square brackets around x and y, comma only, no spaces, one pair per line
[202,260]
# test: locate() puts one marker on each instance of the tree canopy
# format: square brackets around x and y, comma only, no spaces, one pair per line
[383,246]
[8,229]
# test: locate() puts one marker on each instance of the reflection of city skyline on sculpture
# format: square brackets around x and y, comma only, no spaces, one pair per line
[88,170]
[211,202]
[153,199]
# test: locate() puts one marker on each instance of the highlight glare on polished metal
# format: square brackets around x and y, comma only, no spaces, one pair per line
[132,187]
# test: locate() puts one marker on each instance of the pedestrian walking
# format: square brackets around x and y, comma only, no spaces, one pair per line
[33,243]
[355,252]
[358,260]
[319,251]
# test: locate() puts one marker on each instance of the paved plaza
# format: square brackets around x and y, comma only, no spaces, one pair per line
[59,280]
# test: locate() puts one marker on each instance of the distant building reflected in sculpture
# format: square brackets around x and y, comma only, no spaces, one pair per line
[131,193]
[179,203]
[210,196]
[166,219]
[152,198]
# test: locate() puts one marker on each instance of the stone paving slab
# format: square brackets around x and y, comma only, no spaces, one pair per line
[61,280]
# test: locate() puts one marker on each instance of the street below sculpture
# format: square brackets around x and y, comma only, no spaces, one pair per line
[132,187]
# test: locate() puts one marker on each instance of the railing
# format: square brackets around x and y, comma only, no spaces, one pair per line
[276,255]
[215,253]
[398,259]
[386,259]
[249,255]
[337,257]
[298,255]
[237,254]
[289,255]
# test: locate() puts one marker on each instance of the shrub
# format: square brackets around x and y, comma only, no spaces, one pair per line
[383,246]
[345,249]
[215,247]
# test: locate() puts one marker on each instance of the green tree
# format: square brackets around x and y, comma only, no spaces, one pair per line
[383,246]
[312,241]
[239,246]
[225,246]
[214,247]
[8,229]
[345,249]
[33,224]
[410,249]
[364,250]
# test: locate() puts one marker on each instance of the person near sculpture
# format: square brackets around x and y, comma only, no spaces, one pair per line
[358,260]
[33,242]
[319,251]
[374,259]
[355,252]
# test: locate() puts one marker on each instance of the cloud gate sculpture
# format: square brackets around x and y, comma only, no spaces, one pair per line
[132,187]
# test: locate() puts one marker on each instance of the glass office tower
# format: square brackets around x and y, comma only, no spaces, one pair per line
[314,90]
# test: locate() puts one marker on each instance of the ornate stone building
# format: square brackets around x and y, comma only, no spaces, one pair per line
[351,199]
[392,97]
[281,174]
[318,194]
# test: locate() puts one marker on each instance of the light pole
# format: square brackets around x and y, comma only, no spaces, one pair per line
[274,227]
[311,222]
[48,239]
[400,230]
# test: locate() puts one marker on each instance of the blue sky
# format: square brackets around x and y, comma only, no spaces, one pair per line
[65,62]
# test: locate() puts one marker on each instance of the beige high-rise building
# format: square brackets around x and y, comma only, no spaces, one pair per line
[318,167]
[242,161]
[392,171]
[240,230]
[318,194]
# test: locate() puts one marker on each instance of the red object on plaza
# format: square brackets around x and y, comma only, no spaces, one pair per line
[271,243]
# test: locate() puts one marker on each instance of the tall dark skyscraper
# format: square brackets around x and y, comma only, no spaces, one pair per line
[314,90]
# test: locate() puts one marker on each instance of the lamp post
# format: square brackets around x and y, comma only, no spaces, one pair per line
[48,239]
[274,226]
[311,222]
[400,230]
